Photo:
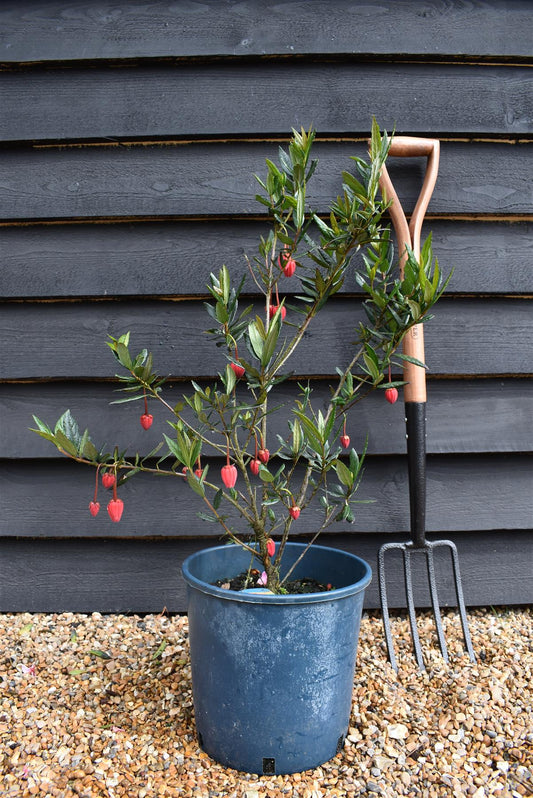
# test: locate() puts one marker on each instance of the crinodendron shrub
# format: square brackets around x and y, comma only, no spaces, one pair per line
[264,483]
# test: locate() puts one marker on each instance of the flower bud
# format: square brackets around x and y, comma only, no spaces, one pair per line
[391,395]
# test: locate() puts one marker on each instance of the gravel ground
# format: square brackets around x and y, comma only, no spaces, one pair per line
[94,705]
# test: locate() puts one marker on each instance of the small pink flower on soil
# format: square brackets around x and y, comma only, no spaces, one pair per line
[263,579]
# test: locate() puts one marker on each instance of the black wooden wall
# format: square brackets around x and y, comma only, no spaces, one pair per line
[129,133]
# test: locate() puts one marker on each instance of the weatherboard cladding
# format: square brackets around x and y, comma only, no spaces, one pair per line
[128,144]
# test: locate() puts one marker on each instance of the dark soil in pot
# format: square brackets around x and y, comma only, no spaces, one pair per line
[247,580]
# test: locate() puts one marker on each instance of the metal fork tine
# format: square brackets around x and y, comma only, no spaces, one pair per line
[460,598]
[382,582]
[411,607]
[435,600]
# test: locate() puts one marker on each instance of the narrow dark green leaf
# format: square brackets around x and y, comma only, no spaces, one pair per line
[95,652]
[218,498]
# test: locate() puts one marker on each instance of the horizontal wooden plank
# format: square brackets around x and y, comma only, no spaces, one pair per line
[463,416]
[475,493]
[42,340]
[231,99]
[169,258]
[43,30]
[145,576]
[217,179]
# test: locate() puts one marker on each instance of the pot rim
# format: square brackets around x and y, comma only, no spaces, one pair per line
[263,598]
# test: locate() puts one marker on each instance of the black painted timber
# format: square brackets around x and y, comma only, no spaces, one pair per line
[48,30]
[464,492]
[470,416]
[129,137]
[176,258]
[145,576]
[466,336]
[224,100]
[206,179]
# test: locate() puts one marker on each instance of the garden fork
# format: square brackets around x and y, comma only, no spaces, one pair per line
[408,235]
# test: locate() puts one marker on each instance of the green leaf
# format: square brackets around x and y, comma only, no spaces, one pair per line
[356,462]
[174,448]
[300,209]
[128,398]
[154,451]
[95,652]
[344,474]
[218,498]
[311,432]
[195,484]
[42,426]
[272,338]
[83,442]
[265,474]
[230,379]
[411,359]
[128,475]
[69,426]
[90,452]
[370,363]
[160,650]
[65,444]
[256,339]
[211,519]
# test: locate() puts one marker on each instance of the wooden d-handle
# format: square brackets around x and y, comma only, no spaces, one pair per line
[408,234]
[410,146]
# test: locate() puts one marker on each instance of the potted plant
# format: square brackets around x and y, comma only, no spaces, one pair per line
[274,623]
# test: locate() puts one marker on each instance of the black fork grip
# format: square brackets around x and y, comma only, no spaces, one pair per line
[415,419]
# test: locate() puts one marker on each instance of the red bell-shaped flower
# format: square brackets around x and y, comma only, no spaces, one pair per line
[108,479]
[115,508]
[229,475]
[263,455]
[238,370]
[146,420]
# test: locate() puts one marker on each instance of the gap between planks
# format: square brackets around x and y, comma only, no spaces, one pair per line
[170,219]
[209,378]
[450,59]
[111,142]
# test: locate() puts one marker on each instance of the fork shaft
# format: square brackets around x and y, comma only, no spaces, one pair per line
[415,417]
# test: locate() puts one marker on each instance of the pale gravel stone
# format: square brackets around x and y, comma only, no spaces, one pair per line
[73,723]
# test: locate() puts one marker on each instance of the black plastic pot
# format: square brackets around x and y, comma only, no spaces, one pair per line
[273,675]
